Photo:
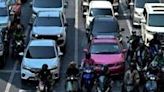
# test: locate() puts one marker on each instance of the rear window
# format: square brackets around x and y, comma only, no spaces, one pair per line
[48,3]
[40,52]
[100,11]
[48,21]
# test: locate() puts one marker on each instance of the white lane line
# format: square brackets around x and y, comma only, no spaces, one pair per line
[11,77]
[76,30]
[127,20]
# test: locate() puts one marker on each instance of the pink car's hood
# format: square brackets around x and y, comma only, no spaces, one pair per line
[108,59]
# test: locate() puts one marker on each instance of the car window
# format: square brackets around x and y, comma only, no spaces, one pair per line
[105,48]
[156,20]
[98,11]
[40,52]
[3,11]
[105,26]
[48,21]
[48,3]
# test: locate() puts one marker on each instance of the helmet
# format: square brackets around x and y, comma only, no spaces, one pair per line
[160,53]
[132,65]
[133,32]
[88,55]
[44,67]
[72,64]
[154,65]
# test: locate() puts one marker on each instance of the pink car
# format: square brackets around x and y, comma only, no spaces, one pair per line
[106,50]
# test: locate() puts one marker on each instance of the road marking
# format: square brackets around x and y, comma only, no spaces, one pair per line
[127,20]
[22,90]
[11,77]
[76,30]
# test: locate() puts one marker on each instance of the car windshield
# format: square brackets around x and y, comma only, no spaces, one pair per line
[105,48]
[40,52]
[141,3]
[105,26]
[156,20]
[3,11]
[48,3]
[48,21]
[98,11]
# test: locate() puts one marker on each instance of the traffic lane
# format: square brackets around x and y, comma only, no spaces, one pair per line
[4,77]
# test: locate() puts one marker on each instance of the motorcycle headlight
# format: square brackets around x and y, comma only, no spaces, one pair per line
[36,35]
[19,42]
[162,69]
[152,78]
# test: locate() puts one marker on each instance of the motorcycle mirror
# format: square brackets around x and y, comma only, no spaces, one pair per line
[21,53]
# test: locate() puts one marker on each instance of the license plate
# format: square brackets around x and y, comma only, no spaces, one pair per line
[32,79]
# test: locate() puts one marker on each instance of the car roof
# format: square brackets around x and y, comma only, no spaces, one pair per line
[2,4]
[100,4]
[42,42]
[106,24]
[155,8]
[47,3]
[49,14]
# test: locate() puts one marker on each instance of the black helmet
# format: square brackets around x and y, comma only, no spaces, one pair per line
[88,55]
[44,67]
[132,65]
[133,32]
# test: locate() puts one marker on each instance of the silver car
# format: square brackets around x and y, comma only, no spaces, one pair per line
[37,53]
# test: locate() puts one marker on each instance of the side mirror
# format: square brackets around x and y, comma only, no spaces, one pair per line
[85,14]
[124,50]
[60,53]
[85,50]
[143,21]
[21,54]
[65,4]
[122,29]
[131,4]
[116,14]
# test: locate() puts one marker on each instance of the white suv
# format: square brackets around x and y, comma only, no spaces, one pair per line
[37,53]
[50,25]
[152,21]
[97,8]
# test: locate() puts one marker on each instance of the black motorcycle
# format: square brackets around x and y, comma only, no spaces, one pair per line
[72,84]
[18,47]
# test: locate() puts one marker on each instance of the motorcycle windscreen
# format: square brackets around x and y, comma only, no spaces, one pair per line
[87,76]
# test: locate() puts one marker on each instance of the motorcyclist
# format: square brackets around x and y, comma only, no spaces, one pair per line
[72,69]
[132,77]
[159,58]
[153,68]
[143,55]
[154,44]
[45,75]
[87,60]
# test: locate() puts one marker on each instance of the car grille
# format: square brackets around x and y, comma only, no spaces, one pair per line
[47,37]
[35,69]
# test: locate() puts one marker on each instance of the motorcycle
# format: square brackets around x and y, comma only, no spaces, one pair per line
[103,84]
[71,84]
[128,87]
[88,78]
[17,48]
[151,83]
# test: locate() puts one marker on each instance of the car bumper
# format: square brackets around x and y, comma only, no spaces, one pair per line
[118,70]
[27,75]
[137,20]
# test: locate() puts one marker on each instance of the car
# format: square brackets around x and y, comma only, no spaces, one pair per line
[104,26]
[153,22]
[138,8]
[4,16]
[97,8]
[107,50]
[47,5]
[37,53]
[50,25]
[115,3]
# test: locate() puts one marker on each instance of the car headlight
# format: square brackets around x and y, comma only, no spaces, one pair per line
[137,13]
[26,67]
[59,35]
[150,32]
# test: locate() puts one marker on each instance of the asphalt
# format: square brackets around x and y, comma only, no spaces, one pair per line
[76,41]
